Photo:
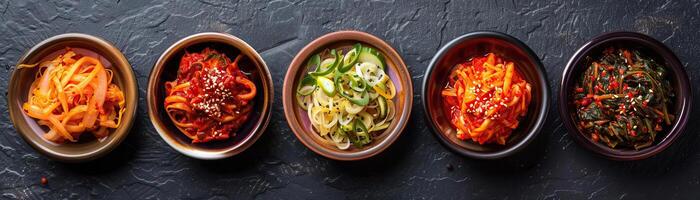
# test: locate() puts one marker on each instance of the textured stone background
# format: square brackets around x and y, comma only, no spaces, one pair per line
[416,166]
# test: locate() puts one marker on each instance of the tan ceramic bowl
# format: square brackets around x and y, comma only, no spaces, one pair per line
[166,69]
[298,119]
[21,80]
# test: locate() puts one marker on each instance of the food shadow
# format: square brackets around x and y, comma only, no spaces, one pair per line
[675,160]
[390,159]
[524,160]
[246,160]
[118,158]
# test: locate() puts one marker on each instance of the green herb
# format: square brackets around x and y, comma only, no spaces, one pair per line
[216,56]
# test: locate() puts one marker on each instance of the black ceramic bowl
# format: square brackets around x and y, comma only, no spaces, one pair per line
[478,44]
[650,47]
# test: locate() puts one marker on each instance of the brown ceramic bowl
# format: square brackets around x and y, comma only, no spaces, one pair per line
[166,69]
[298,119]
[478,44]
[649,46]
[87,148]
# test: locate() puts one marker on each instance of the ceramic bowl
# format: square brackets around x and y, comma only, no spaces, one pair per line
[478,44]
[166,69]
[649,46]
[87,148]
[298,119]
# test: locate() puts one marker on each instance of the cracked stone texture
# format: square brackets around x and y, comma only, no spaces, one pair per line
[278,166]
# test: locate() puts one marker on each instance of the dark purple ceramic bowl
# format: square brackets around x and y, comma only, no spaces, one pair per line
[478,44]
[650,47]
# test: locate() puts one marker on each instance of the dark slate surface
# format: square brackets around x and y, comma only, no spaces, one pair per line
[416,166]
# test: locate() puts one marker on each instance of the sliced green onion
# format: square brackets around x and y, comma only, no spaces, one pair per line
[371,55]
[328,65]
[307,86]
[326,85]
[351,58]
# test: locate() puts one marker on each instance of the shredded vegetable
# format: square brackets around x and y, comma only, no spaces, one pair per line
[622,99]
[348,97]
[73,94]
[485,99]
[211,97]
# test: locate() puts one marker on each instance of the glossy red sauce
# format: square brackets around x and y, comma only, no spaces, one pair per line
[218,96]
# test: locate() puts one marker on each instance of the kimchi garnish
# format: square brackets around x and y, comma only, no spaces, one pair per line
[211,97]
[72,94]
[622,99]
[485,99]
[348,97]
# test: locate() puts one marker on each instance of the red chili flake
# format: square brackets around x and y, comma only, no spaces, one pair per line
[44,181]
[595,137]
[585,101]
[644,104]
[196,100]
[478,64]
[604,73]
[579,89]
[462,136]
[633,133]
[622,107]
[614,84]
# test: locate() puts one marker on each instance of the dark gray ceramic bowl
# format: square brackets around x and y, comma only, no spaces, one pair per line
[649,46]
[477,44]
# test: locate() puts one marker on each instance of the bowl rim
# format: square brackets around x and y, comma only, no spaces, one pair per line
[158,69]
[297,64]
[540,120]
[101,150]
[674,64]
